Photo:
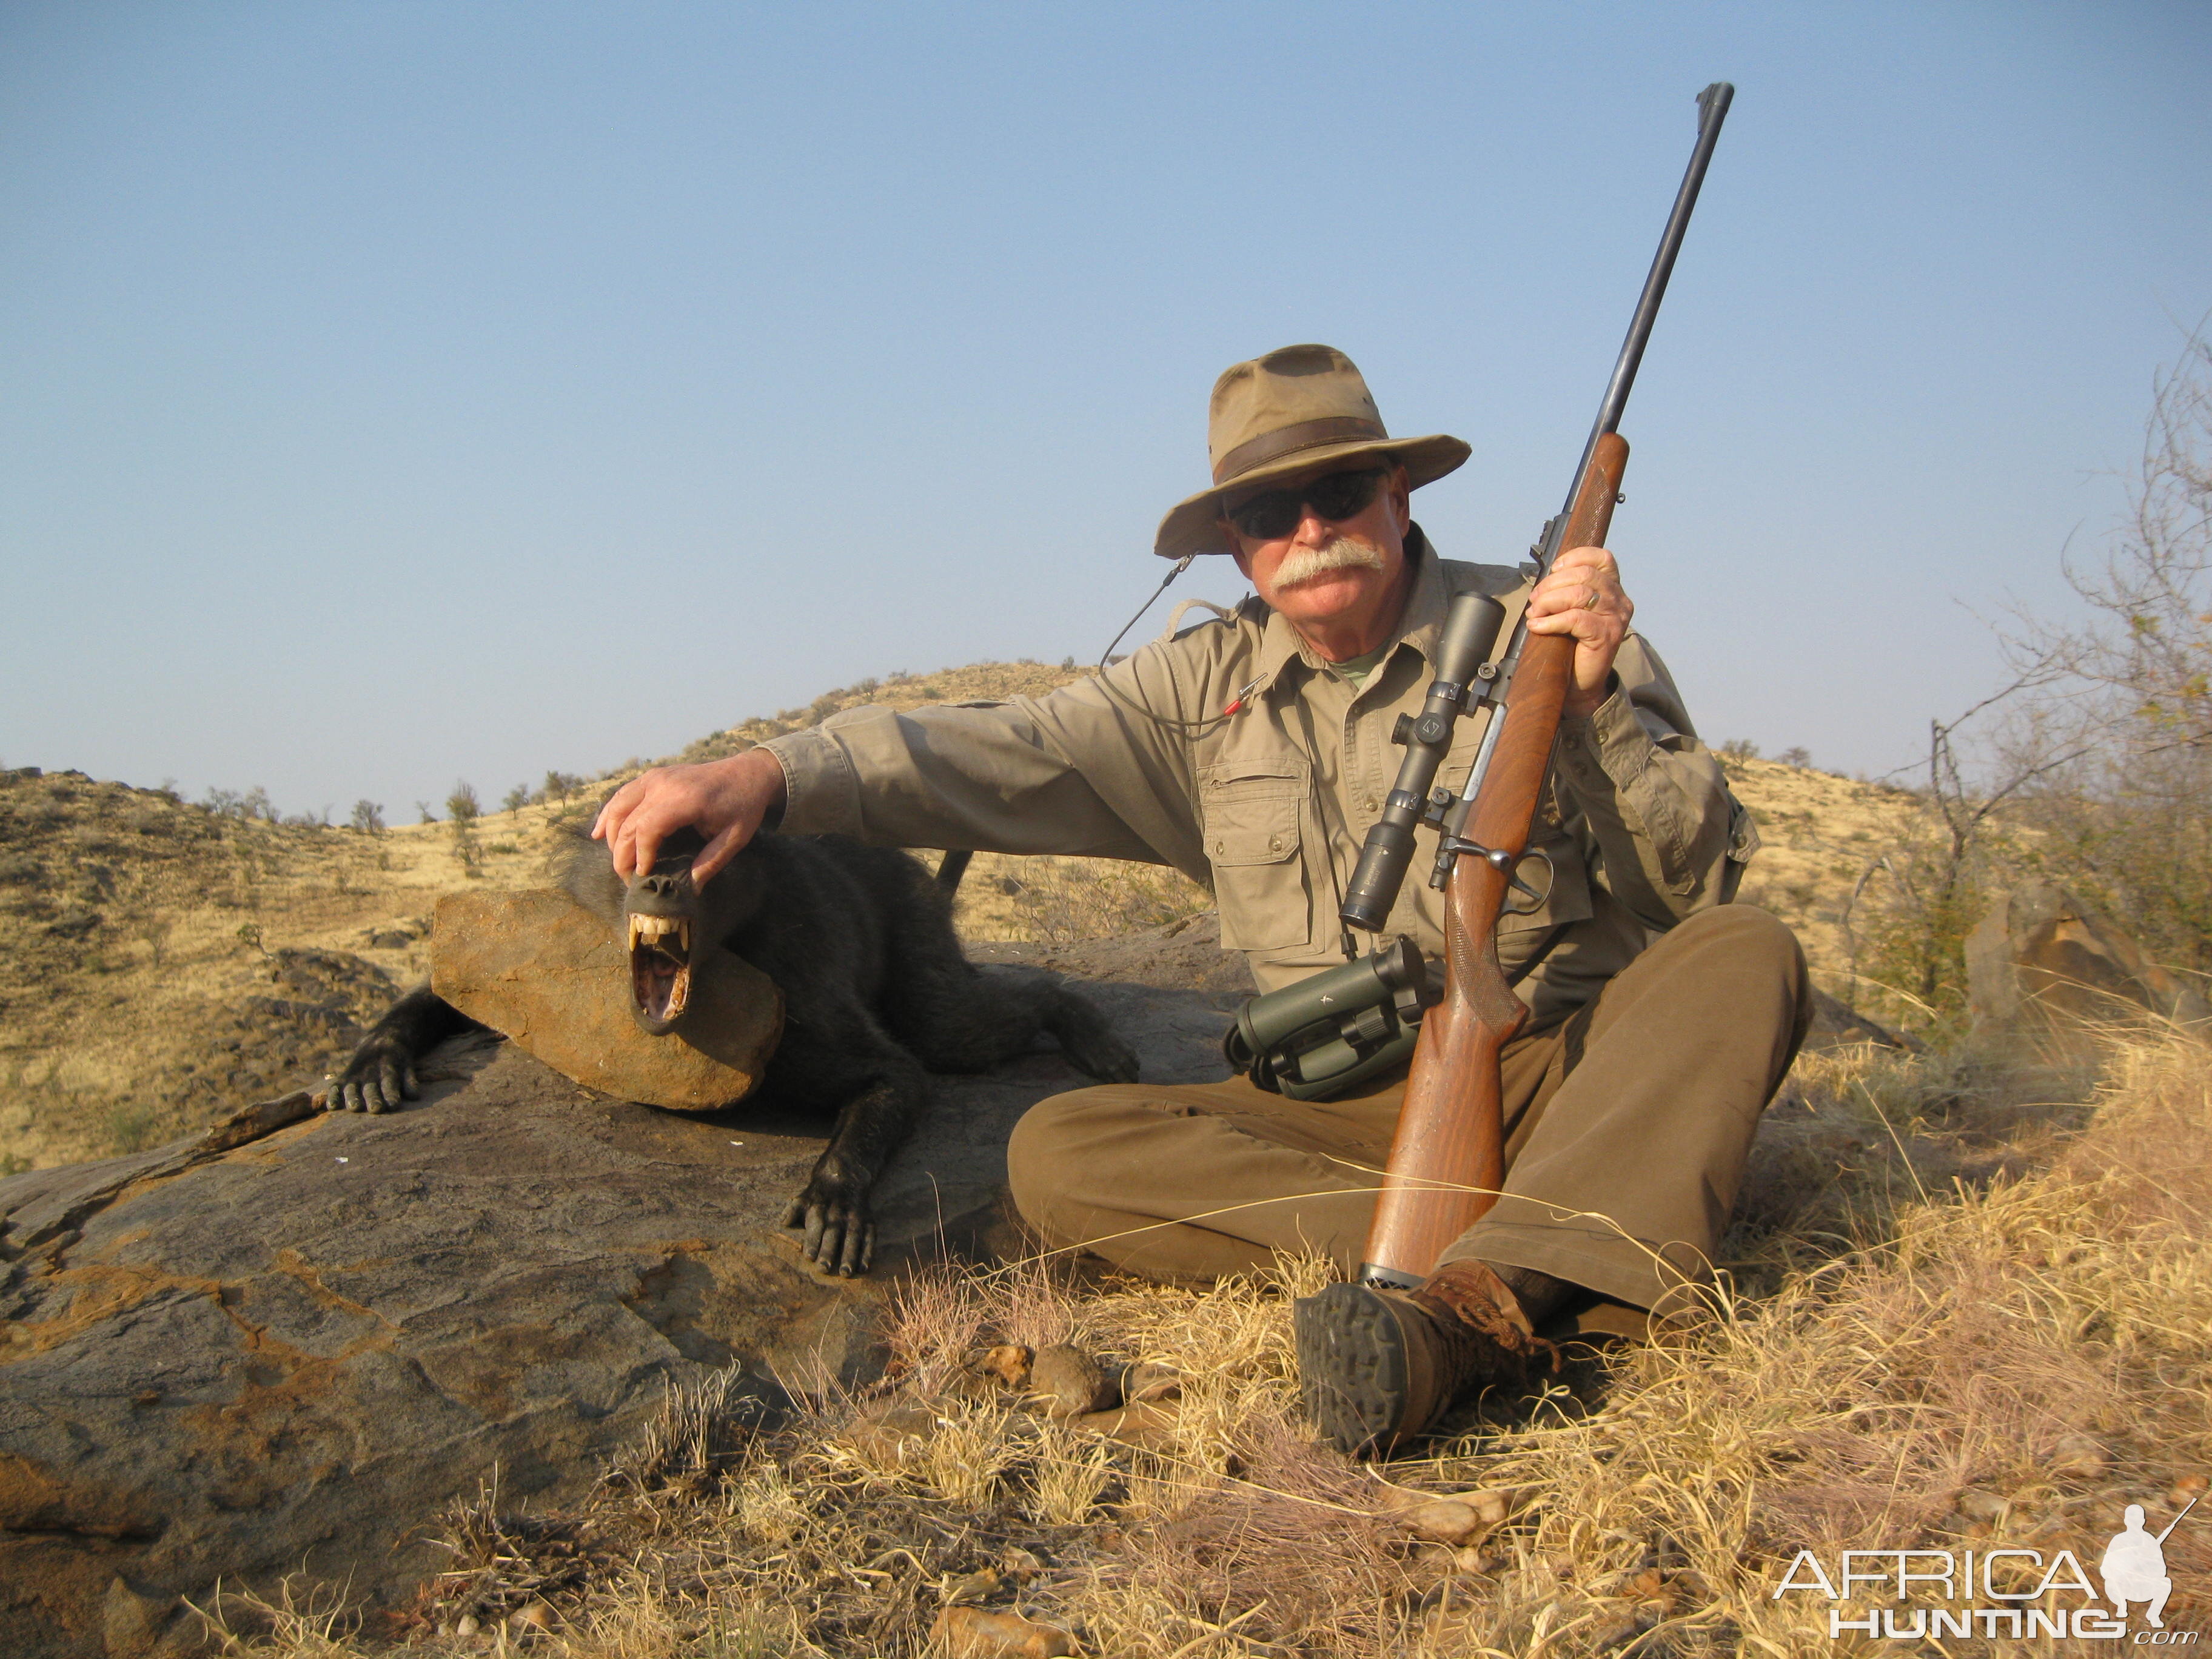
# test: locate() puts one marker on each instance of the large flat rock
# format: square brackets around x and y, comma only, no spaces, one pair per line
[285,1347]
[537,966]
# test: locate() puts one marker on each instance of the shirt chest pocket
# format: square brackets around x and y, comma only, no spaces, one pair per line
[1251,813]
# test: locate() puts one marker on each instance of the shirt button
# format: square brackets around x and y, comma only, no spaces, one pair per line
[1274,843]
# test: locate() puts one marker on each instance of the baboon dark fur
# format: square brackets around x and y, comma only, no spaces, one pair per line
[875,994]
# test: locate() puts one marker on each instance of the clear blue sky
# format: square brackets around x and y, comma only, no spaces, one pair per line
[394,394]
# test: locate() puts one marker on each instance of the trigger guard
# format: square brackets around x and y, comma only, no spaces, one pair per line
[1515,885]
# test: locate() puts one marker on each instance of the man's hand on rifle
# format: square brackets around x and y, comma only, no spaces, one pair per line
[1582,597]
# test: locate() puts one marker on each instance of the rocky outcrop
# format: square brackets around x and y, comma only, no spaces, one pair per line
[2041,962]
[284,1347]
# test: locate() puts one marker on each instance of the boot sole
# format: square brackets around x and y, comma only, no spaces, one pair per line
[1352,1370]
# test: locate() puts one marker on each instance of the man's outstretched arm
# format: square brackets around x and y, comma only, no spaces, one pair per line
[725,800]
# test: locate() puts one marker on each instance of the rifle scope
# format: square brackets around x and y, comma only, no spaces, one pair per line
[1463,647]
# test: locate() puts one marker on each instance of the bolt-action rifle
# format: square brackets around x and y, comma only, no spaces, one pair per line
[1328,1033]
[1448,1158]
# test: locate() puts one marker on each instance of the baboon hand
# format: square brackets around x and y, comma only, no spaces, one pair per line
[380,1078]
[1104,1056]
[1088,1041]
[839,1238]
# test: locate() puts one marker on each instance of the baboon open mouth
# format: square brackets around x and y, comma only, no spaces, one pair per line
[660,967]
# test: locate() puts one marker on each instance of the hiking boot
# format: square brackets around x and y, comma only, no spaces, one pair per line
[1377,1367]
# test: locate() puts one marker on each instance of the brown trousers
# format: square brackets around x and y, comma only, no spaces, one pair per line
[1627,1126]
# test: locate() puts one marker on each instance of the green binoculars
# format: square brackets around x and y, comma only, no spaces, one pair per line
[1323,1035]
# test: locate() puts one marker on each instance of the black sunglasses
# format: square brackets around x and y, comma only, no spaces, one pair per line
[1333,495]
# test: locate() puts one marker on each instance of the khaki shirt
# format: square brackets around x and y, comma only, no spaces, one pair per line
[1268,808]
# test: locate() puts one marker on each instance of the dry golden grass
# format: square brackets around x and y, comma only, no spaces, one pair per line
[1059,901]
[1981,1312]
[143,942]
[1819,836]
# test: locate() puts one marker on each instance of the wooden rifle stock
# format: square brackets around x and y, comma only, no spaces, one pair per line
[1448,1158]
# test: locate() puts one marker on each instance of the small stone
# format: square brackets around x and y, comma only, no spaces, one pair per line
[2077,1455]
[131,1620]
[533,1615]
[1474,1560]
[1444,1520]
[1977,1504]
[1493,1503]
[1009,1363]
[882,1435]
[1641,1586]
[1147,1380]
[973,1587]
[970,1634]
[1151,1426]
[1068,1382]
[1018,1564]
[467,1625]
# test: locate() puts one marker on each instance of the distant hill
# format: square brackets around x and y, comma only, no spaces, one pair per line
[162,963]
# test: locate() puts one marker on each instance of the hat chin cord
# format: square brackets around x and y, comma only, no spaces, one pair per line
[1107,685]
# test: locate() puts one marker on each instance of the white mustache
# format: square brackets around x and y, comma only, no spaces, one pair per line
[1305,564]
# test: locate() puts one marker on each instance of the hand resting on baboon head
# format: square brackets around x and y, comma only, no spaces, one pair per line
[877,994]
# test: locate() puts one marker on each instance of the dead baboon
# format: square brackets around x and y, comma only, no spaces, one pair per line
[876,992]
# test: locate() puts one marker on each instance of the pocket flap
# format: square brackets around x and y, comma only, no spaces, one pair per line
[1251,812]
[1251,837]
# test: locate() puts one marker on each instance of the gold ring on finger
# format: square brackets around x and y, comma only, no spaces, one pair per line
[1590,598]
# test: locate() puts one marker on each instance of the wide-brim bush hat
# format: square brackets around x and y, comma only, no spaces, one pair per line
[1298,411]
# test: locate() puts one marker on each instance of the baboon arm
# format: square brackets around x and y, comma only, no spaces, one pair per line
[833,1209]
[380,1076]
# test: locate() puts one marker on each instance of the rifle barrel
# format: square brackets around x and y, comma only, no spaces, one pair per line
[1712,110]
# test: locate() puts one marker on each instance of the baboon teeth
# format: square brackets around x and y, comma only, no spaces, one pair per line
[655,932]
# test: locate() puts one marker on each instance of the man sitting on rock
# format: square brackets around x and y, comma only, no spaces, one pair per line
[1253,755]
